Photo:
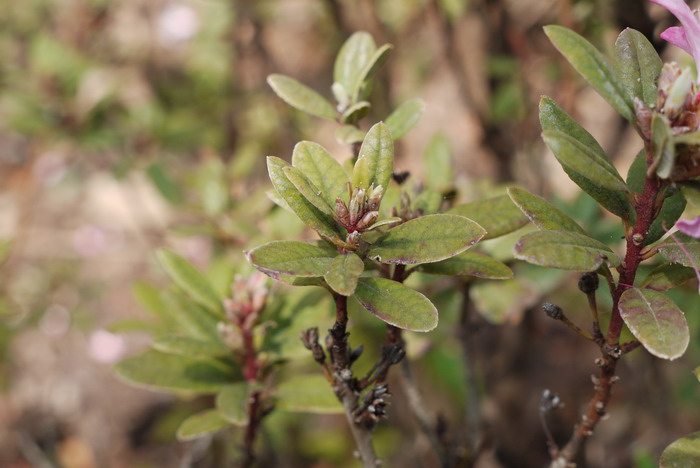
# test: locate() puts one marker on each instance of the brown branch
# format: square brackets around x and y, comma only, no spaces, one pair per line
[251,431]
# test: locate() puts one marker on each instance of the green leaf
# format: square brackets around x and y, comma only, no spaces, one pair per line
[405,117]
[344,272]
[375,162]
[438,164]
[691,192]
[502,302]
[671,210]
[672,252]
[352,60]
[397,304]
[683,453]
[307,394]
[191,318]
[355,112]
[160,371]
[348,134]
[308,213]
[543,214]
[564,250]
[232,403]
[637,173]
[189,279]
[469,264]
[667,276]
[151,300]
[371,67]
[552,117]
[187,346]
[321,169]
[637,66]
[656,321]
[591,64]
[385,222]
[291,258]
[426,239]
[200,424]
[312,194]
[300,96]
[498,215]
[165,185]
[579,158]
[663,150]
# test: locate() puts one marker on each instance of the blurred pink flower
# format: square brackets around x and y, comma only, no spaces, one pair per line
[686,36]
[106,347]
[690,227]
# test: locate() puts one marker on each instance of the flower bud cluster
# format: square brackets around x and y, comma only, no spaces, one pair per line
[243,309]
[361,212]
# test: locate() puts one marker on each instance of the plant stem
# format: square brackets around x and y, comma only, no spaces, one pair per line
[646,209]
[251,431]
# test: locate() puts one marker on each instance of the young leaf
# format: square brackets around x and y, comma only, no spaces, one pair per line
[591,64]
[469,264]
[344,272]
[355,112]
[290,258]
[637,66]
[189,279]
[674,253]
[498,215]
[307,394]
[232,403]
[656,321]
[200,424]
[667,276]
[405,117]
[683,453]
[160,371]
[397,304]
[564,250]
[376,61]
[574,155]
[187,346]
[312,194]
[375,162]
[552,117]
[663,147]
[543,214]
[321,169]
[438,164]
[300,96]
[191,318]
[309,214]
[355,54]
[426,239]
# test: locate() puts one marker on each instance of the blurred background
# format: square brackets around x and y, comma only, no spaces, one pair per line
[130,125]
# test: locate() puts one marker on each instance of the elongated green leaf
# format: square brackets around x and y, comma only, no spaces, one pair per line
[371,67]
[498,215]
[564,250]
[344,272]
[385,222]
[672,252]
[637,66]
[312,194]
[135,325]
[301,96]
[189,279]
[656,321]
[307,394]
[405,117]
[683,453]
[552,117]
[191,318]
[309,214]
[232,403]
[691,193]
[543,214]
[353,57]
[187,346]
[397,304]
[591,64]
[427,202]
[671,211]
[574,155]
[161,371]
[150,298]
[375,162]
[291,258]
[321,169]
[663,146]
[469,264]
[348,134]
[426,239]
[200,424]
[355,112]
[438,163]
[667,276]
